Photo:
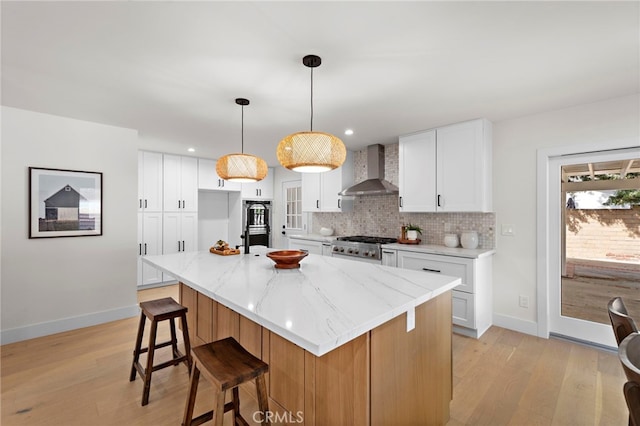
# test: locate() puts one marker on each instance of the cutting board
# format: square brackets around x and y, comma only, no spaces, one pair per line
[226,252]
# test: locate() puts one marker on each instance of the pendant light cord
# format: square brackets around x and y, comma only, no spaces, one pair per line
[312,99]
[242,134]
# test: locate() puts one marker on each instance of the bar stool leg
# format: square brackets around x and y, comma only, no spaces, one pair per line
[174,340]
[149,369]
[136,350]
[263,399]
[191,400]
[218,413]
[187,342]
[236,406]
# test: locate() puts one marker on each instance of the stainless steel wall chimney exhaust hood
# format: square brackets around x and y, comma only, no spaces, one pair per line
[375,183]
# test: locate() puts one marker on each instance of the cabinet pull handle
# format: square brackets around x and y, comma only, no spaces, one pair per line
[182,245]
[431,270]
[183,204]
[145,249]
[145,203]
[178,245]
[439,205]
[140,202]
[400,201]
[222,180]
[317,204]
[140,249]
[178,203]
[339,203]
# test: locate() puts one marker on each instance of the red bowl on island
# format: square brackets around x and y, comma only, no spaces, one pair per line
[287,259]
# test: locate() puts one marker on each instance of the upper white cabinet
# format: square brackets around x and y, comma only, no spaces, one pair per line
[447,169]
[320,190]
[417,172]
[209,179]
[180,183]
[261,190]
[149,181]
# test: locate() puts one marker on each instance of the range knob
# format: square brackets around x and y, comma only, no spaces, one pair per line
[349,251]
[335,249]
[341,249]
[356,251]
[365,253]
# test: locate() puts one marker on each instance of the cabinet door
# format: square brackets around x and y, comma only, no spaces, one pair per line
[389,258]
[310,192]
[171,180]
[152,245]
[261,190]
[189,231]
[151,181]
[189,184]
[171,241]
[209,179]
[330,185]
[462,167]
[140,181]
[417,172]
[463,309]
[140,249]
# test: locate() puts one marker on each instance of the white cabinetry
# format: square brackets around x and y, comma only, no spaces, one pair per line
[149,181]
[179,232]
[472,300]
[180,183]
[261,190]
[149,243]
[447,169]
[320,190]
[389,257]
[313,247]
[208,177]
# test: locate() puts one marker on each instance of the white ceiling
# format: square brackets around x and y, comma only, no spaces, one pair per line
[173,69]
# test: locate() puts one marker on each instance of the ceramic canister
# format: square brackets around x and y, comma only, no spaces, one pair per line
[469,239]
[451,240]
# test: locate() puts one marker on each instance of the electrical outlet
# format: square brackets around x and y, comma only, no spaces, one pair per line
[508,230]
[524,301]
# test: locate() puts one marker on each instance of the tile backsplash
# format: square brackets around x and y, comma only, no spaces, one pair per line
[378,215]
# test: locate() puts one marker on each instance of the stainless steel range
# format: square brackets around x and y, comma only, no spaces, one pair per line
[361,248]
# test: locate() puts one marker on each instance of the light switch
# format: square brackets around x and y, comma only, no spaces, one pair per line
[508,230]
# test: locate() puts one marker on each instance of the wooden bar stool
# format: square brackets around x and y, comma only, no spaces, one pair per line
[226,364]
[159,310]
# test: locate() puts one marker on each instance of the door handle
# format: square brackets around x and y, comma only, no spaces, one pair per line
[431,270]
[284,233]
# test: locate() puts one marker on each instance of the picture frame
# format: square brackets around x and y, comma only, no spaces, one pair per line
[64,203]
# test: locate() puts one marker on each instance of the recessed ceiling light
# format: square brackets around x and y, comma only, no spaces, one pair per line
[191,150]
[348,132]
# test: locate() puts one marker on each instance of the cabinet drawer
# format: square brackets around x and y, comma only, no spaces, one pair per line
[446,265]
[463,309]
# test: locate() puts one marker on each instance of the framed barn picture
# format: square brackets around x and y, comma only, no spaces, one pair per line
[64,203]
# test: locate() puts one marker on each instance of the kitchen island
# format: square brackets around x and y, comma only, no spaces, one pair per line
[346,342]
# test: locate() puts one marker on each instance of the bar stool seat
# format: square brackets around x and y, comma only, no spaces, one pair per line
[156,311]
[226,364]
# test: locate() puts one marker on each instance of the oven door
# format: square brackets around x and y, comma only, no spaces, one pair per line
[356,258]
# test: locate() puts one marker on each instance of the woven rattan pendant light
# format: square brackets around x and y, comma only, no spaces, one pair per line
[241,167]
[311,151]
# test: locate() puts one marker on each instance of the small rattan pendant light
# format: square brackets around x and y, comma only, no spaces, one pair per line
[241,167]
[311,151]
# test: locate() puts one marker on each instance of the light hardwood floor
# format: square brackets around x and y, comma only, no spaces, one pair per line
[505,378]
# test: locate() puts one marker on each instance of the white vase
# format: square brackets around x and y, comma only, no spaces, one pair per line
[451,240]
[469,239]
[412,234]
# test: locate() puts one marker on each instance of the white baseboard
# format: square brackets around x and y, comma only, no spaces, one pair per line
[515,324]
[66,324]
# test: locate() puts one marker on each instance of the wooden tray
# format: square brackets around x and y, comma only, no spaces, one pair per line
[401,241]
[226,252]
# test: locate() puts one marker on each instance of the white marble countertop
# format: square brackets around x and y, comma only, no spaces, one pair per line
[442,250]
[320,306]
[314,237]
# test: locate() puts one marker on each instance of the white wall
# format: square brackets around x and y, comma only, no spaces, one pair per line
[515,145]
[56,284]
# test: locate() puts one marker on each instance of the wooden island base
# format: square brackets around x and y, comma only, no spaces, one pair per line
[386,376]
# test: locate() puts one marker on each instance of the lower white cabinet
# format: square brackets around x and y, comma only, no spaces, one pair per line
[149,243]
[313,247]
[179,232]
[389,258]
[472,301]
